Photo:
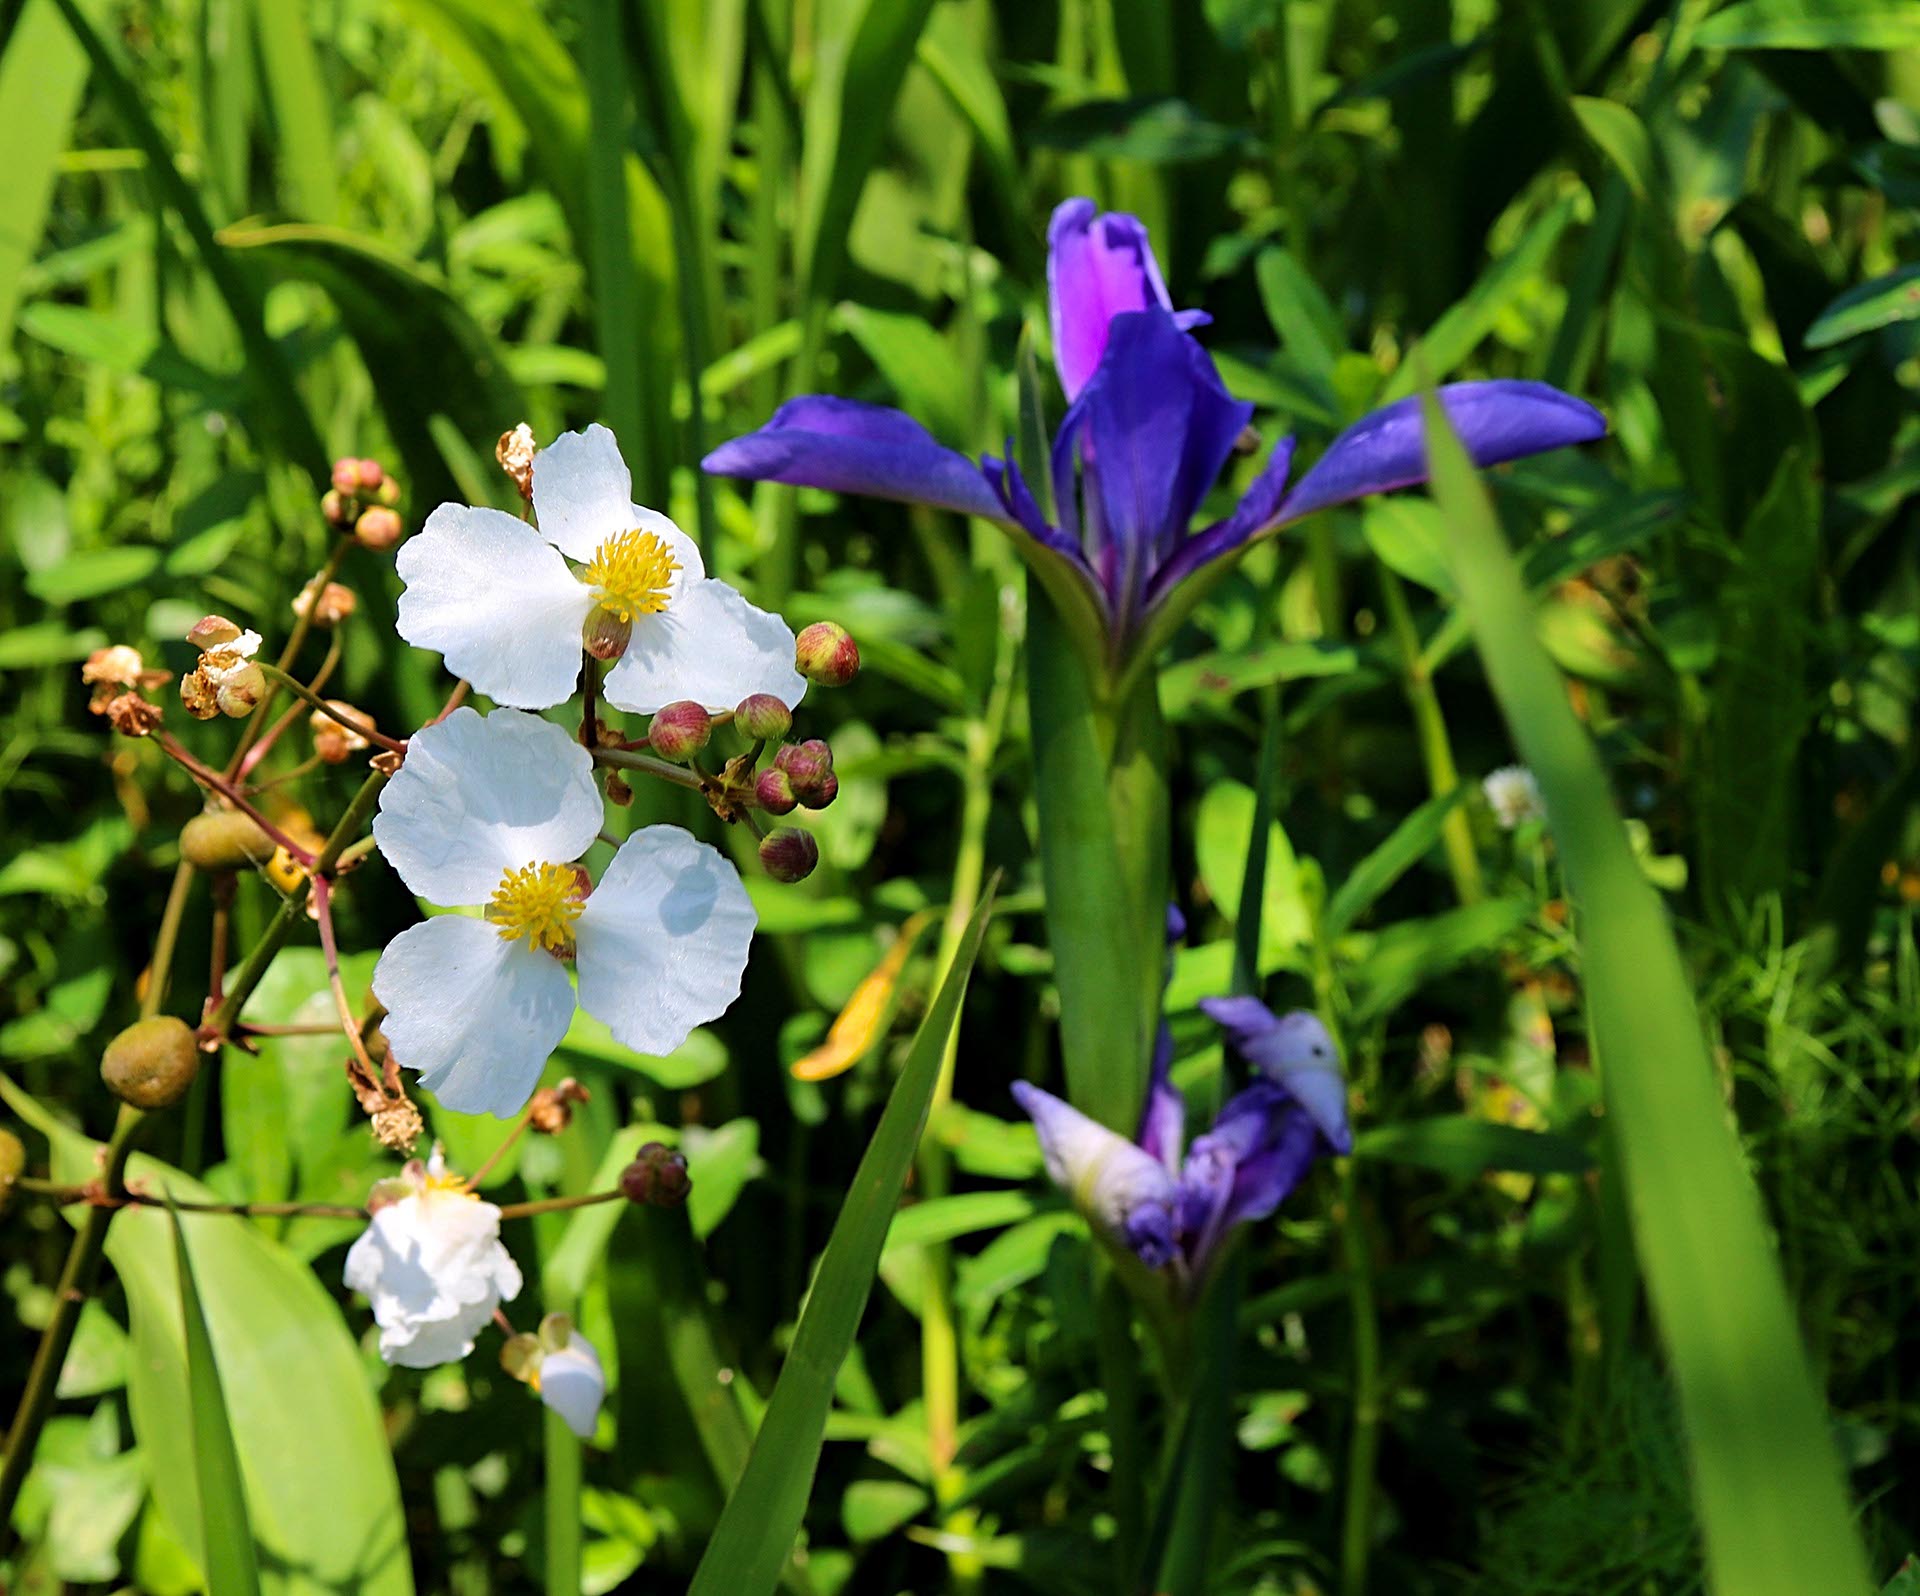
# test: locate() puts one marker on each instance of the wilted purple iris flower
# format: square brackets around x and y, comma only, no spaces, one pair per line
[1148,428]
[1172,1212]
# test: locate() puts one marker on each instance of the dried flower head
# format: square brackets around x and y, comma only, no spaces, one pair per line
[332,741]
[515,452]
[133,716]
[551,1110]
[116,669]
[329,607]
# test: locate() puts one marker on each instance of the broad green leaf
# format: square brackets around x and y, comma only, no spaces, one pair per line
[1397,961]
[93,572]
[1214,680]
[226,1536]
[1222,836]
[1812,25]
[942,1219]
[1771,1503]
[1867,308]
[42,74]
[764,1512]
[1301,313]
[302,116]
[1459,1144]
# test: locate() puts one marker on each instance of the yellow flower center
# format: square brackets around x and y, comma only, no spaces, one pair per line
[631,573]
[539,902]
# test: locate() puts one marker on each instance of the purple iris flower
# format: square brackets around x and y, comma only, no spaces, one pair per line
[1148,428]
[1171,1211]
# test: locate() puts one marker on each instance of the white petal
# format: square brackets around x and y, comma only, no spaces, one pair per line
[496,602]
[476,1015]
[581,489]
[662,940]
[710,645]
[433,1269]
[573,1384]
[479,795]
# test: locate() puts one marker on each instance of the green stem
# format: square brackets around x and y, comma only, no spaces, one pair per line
[624,760]
[564,1475]
[1363,1446]
[302,625]
[1436,749]
[299,689]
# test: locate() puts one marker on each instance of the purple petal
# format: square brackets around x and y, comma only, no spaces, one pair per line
[1097,267]
[1295,1052]
[1497,421]
[1254,511]
[1163,1119]
[847,447]
[1257,1152]
[1266,1178]
[1120,1189]
[1176,925]
[1006,480]
[1151,429]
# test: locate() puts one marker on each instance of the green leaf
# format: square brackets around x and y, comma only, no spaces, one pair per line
[1867,308]
[1774,1514]
[942,1219]
[1302,315]
[1812,25]
[297,96]
[225,1532]
[764,1512]
[93,572]
[42,74]
[1459,1144]
[1375,874]
[1222,838]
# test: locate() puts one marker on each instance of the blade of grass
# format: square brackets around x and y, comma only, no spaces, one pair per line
[297,96]
[226,1532]
[763,1514]
[1775,1518]
[42,74]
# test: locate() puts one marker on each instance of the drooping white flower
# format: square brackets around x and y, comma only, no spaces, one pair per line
[1514,796]
[431,1264]
[493,811]
[569,1377]
[500,602]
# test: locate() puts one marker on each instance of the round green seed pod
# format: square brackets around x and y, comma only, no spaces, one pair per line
[222,840]
[152,1062]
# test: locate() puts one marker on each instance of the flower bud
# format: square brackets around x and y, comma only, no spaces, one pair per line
[371,476]
[330,606]
[604,634]
[378,528]
[13,1160]
[151,1063]
[222,840]
[789,854]
[826,654]
[197,695]
[774,793]
[213,631]
[346,475]
[336,509]
[680,731]
[820,793]
[657,1177]
[763,718]
[805,763]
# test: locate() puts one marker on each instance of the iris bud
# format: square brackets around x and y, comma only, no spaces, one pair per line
[763,717]
[774,793]
[826,654]
[680,731]
[151,1063]
[789,854]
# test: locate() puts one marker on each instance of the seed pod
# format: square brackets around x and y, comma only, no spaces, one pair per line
[224,839]
[151,1063]
[13,1159]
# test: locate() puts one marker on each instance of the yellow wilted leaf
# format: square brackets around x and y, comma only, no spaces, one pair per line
[862,1021]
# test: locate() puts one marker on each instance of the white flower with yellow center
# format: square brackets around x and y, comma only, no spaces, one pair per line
[491,812]
[502,605]
[432,1265]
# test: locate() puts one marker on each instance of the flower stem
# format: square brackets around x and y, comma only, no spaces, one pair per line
[302,625]
[500,1152]
[299,689]
[215,782]
[623,759]
[309,691]
[1364,1444]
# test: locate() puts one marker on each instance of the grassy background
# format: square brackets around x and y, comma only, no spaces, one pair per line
[241,237]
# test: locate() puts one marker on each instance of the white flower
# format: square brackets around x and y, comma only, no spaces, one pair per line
[432,1265]
[506,610]
[494,811]
[572,1383]
[1514,796]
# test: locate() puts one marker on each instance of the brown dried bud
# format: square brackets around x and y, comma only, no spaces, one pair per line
[114,670]
[826,654]
[551,1110]
[789,854]
[378,528]
[657,1177]
[763,718]
[388,761]
[398,1126]
[680,731]
[197,695]
[224,839]
[151,1063]
[132,716]
[618,792]
[334,742]
[515,452]
[213,631]
[333,604]
[774,793]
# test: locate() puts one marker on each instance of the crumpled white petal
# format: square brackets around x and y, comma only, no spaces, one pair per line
[479,795]
[434,1270]
[581,491]
[496,602]
[476,1015]
[709,645]
[574,1385]
[663,939]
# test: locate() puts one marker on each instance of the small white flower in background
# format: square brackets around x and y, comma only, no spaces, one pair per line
[431,1264]
[493,811]
[562,1367]
[500,603]
[1514,796]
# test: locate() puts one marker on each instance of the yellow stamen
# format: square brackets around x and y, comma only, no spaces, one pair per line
[539,902]
[632,574]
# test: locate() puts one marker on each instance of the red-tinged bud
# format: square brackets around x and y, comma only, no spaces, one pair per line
[657,1177]
[388,493]
[774,793]
[820,793]
[337,508]
[680,731]
[346,475]
[370,476]
[789,854]
[826,654]
[763,718]
[378,528]
[805,763]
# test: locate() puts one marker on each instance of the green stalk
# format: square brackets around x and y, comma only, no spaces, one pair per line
[1363,1445]
[562,1501]
[1436,749]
